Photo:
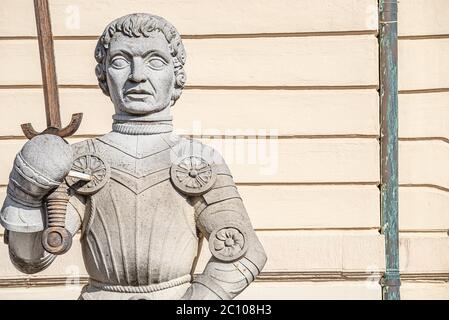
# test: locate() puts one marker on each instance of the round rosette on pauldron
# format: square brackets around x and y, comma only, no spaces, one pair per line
[93,165]
[193,175]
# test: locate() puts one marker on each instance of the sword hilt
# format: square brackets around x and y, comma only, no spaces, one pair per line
[56,239]
[67,131]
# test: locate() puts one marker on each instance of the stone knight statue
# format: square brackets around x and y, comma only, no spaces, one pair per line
[149,196]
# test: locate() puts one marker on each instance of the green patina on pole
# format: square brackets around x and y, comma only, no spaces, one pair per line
[388,40]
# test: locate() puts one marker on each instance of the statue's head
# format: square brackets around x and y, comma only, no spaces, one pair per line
[140,63]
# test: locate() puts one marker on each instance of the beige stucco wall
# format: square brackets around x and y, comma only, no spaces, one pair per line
[305,71]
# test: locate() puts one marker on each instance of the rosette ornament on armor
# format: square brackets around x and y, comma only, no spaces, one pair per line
[193,175]
[96,167]
[228,243]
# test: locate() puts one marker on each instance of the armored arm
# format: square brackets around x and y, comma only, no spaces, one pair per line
[237,254]
[25,248]
[39,168]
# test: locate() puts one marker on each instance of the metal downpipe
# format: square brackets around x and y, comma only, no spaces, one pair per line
[388,55]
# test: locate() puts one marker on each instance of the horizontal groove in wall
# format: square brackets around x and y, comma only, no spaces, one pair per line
[282,34]
[425,277]
[311,184]
[426,231]
[6,38]
[423,185]
[346,276]
[292,136]
[317,276]
[223,35]
[299,184]
[424,37]
[21,86]
[359,231]
[263,277]
[409,139]
[224,137]
[202,87]
[343,229]
[359,183]
[317,87]
[320,229]
[417,91]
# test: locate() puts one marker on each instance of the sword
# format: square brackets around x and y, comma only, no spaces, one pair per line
[49,80]
[55,238]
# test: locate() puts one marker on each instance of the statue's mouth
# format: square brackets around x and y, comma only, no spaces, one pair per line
[138,94]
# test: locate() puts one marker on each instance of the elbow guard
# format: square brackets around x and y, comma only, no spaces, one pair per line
[31,266]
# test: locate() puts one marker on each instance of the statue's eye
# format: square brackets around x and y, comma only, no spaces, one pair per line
[156,63]
[119,63]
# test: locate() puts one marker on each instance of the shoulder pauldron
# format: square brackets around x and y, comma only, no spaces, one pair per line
[193,175]
[196,176]
[88,161]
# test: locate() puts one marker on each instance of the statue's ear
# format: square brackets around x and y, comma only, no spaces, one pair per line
[180,81]
[100,68]
[180,78]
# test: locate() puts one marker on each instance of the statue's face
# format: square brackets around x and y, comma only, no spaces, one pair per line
[140,73]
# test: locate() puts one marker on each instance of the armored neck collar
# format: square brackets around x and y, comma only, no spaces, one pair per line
[141,125]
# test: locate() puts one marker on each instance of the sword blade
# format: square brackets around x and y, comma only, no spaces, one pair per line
[47,57]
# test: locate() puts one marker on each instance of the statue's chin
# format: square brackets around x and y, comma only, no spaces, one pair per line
[141,108]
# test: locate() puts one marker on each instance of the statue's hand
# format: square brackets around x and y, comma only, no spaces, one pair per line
[41,166]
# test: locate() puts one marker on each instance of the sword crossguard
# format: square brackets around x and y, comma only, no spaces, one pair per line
[69,130]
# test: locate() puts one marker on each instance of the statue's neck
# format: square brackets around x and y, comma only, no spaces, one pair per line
[142,125]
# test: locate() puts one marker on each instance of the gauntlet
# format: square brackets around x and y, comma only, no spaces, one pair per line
[38,168]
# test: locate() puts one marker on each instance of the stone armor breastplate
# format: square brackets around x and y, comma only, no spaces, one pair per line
[138,225]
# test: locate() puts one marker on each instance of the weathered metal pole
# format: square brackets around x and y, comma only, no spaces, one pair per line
[388,40]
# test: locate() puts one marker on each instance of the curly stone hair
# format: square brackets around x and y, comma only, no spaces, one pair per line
[136,25]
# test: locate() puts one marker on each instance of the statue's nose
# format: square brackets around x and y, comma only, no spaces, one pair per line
[137,71]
